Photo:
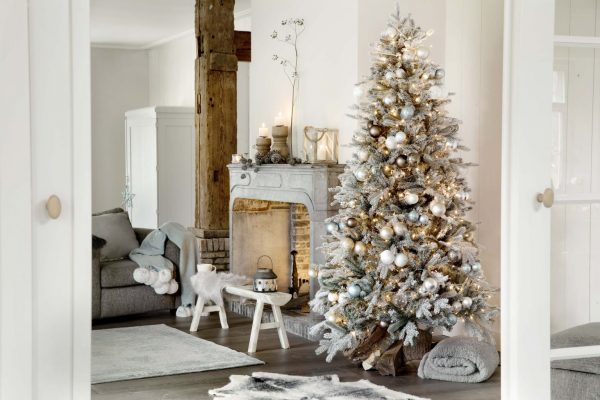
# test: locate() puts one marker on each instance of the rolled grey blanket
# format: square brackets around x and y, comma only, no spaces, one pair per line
[460,359]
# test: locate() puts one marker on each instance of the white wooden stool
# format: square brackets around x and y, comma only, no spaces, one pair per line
[276,300]
[200,308]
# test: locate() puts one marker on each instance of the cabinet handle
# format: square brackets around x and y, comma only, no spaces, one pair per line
[53,206]
[546,198]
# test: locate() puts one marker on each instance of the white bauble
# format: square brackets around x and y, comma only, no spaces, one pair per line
[407,112]
[331,227]
[430,284]
[400,137]
[360,248]
[422,52]
[400,260]
[389,75]
[390,142]
[347,244]
[437,209]
[413,216]
[361,174]
[423,220]
[387,257]
[354,290]
[388,100]
[358,91]
[467,302]
[400,229]
[363,155]
[386,233]
[401,161]
[411,198]
[400,73]
[465,268]
[476,267]
[457,306]
[332,297]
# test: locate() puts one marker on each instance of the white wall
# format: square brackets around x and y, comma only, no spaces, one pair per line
[119,83]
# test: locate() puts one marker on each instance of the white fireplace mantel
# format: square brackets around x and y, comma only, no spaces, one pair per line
[306,184]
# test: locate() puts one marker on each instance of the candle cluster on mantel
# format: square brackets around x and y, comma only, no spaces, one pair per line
[279,133]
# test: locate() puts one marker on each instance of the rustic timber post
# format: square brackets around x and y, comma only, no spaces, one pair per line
[216,114]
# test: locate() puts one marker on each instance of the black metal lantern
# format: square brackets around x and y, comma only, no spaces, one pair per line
[265,280]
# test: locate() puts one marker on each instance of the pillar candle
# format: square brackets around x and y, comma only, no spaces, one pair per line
[263,130]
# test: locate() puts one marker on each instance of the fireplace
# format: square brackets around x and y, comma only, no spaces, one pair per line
[277,209]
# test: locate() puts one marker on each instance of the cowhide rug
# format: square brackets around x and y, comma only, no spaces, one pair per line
[265,385]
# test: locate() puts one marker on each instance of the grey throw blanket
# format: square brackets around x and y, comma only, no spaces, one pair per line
[156,270]
[460,359]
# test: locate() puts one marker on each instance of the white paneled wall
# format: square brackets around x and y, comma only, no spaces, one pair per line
[576,169]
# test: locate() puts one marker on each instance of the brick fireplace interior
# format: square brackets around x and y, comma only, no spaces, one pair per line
[271,228]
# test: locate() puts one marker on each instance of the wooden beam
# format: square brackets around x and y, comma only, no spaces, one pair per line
[216,111]
[243,45]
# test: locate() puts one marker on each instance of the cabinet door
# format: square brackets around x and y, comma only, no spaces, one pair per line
[176,171]
[141,170]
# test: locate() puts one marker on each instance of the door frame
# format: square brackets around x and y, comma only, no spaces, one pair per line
[526,170]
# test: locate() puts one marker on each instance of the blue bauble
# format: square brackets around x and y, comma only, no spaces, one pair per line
[354,290]
[407,112]
[413,216]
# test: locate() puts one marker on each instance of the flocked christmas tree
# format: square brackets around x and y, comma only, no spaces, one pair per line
[401,255]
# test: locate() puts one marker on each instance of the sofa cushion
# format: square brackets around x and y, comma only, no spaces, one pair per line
[117,273]
[116,229]
[582,335]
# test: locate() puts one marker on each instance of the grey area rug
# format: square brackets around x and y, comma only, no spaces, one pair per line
[157,350]
[265,385]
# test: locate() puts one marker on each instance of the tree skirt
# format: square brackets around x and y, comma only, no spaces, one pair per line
[265,385]
[157,350]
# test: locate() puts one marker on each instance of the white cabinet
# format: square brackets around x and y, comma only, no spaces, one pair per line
[160,165]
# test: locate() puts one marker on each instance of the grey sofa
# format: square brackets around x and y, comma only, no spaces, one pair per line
[116,293]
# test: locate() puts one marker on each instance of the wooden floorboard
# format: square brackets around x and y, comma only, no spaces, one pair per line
[300,359]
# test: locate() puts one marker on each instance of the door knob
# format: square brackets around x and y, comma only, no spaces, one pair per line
[546,198]
[53,206]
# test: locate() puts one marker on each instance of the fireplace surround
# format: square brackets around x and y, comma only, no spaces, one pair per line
[304,184]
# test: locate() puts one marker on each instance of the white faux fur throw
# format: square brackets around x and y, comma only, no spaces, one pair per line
[266,385]
[209,285]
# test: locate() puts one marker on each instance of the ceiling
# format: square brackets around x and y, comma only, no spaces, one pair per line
[139,24]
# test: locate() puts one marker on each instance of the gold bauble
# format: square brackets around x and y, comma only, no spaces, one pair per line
[387,170]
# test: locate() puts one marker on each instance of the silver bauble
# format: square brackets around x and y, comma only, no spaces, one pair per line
[354,290]
[399,300]
[400,260]
[411,198]
[400,229]
[407,112]
[388,100]
[387,257]
[360,248]
[361,174]
[400,137]
[430,284]
[465,268]
[386,233]
[401,161]
[383,324]
[422,52]
[363,155]
[331,227]
[440,73]
[347,244]
[390,142]
[375,131]
[437,209]
[423,220]
[400,73]
[351,222]
[413,216]
[413,158]
[476,267]
[452,320]
[467,302]
[457,306]
[423,291]
[389,75]
[332,296]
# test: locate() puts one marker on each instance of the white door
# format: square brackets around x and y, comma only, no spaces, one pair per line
[142,173]
[575,290]
[45,264]
[526,170]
